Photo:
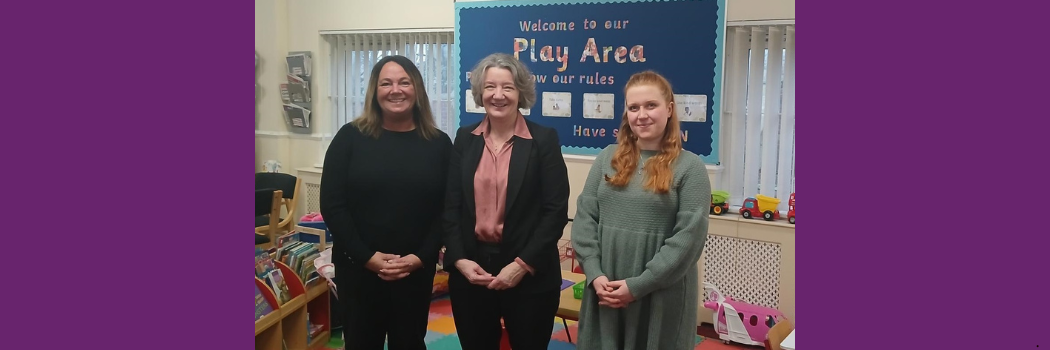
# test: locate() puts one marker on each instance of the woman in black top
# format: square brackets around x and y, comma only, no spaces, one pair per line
[382,190]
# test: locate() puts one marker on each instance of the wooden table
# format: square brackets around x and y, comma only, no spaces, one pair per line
[569,306]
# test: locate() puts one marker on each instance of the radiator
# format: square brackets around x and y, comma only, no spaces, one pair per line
[747,270]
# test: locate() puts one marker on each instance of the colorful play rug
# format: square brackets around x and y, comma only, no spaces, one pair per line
[441,333]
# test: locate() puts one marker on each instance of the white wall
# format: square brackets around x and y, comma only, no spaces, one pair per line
[760,10]
[271,43]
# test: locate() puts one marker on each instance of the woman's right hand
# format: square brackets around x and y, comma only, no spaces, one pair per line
[604,292]
[473,272]
[381,261]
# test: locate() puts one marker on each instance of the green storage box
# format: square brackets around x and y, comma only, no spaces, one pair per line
[577,290]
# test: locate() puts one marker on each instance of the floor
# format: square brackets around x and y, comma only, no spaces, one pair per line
[441,333]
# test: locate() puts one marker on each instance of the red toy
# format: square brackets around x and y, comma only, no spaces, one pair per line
[760,205]
[791,209]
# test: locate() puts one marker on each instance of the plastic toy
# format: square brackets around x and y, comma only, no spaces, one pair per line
[791,209]
[718,202]
[312,217]
[760,205]
[746,328]
[577,290]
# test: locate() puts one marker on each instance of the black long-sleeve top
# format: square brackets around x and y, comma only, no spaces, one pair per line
[384,194]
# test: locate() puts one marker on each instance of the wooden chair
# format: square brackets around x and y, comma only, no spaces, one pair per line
[289,186]
[778,333]
[267,202]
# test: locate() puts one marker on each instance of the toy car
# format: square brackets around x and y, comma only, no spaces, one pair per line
[791,209]
[718,202]
[751,324]
[760,205]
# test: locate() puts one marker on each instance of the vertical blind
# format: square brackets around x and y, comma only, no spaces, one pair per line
[758,128]
[352,58]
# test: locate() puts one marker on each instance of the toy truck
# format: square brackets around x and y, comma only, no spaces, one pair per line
[718,202]
[791,209]
[760,205]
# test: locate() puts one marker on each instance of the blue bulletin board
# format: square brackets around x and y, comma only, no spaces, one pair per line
[583,52]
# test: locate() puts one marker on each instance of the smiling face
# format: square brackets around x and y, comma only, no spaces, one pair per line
[395,91]
[501,95]
[647,114]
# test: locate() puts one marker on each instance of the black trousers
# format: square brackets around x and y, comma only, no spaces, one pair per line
[376,311]
[477,310]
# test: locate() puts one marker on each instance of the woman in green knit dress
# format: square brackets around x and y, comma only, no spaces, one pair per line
[640,226]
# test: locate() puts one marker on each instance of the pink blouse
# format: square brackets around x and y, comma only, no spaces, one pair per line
[490,183]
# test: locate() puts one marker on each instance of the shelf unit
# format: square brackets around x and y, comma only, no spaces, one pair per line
[286,324]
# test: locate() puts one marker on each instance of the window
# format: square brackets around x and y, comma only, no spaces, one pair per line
[353,55]
[758,119]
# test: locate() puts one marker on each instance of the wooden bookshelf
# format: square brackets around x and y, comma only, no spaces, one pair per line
[318,304]
[287,324]
[267,328]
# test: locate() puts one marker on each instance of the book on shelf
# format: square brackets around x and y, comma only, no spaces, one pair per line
[287,238]
[312,330]
[262,307]
[263,263]
[300,256]
[266,270]
[315,329]
[280,287]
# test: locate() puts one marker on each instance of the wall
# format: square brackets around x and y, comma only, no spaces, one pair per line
[760,10]
[282,26]
[271,42]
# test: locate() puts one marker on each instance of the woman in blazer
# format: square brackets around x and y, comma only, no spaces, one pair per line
[507,204]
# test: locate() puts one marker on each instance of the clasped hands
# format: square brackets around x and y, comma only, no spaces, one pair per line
[614,294]
[392,267]
[507,278]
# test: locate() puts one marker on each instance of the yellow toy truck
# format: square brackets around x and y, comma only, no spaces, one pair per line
[760,205]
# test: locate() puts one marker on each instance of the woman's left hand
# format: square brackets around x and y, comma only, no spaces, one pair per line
[508,277]
[620,295]
[401,267]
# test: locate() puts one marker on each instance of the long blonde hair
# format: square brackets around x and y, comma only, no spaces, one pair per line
[370,122]
[658,169]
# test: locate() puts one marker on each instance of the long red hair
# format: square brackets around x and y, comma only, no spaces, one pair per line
[658,169]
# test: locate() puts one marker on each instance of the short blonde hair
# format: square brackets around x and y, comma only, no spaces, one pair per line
[523,80]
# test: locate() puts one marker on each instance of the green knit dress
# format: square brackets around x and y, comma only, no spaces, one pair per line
[653,241]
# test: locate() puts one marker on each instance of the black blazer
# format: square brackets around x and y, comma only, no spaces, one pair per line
[536,209]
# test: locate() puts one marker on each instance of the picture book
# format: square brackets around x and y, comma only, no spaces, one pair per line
[262,307]
[280,288]
[263,263]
